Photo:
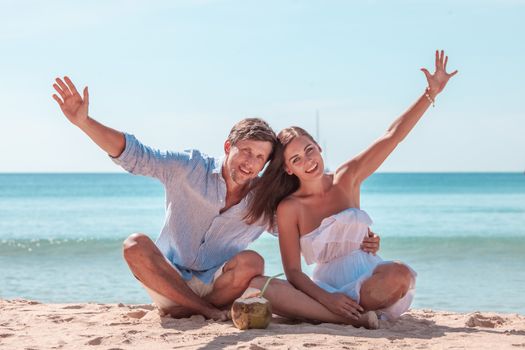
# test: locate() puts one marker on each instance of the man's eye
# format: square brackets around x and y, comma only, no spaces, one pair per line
[309,150]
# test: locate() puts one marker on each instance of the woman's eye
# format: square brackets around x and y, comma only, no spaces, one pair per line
[309,150]
[295,160]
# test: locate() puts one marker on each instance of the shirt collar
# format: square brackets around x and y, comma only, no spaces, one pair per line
[217,165]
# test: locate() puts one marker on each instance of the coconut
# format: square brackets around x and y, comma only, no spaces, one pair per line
[251,312]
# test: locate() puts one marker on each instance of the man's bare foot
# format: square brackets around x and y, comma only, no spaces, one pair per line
[218,315]
[176,311]
[369,320]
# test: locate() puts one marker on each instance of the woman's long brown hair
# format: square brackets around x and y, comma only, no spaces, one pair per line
[275,184]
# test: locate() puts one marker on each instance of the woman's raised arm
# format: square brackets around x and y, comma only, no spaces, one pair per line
[356,170]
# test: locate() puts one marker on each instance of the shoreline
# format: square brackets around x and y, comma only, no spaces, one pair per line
[26,324]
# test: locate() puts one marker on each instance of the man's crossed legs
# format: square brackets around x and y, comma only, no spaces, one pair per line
[157,274]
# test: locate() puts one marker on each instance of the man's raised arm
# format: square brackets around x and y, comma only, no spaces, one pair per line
[75,108]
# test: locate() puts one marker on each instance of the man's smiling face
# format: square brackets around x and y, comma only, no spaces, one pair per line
[245,159]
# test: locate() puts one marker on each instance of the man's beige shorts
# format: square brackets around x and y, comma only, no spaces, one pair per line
[196,285]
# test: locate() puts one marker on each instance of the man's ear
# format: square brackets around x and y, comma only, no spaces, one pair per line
[227,146]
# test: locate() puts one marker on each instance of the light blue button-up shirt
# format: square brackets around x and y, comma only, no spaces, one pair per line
[196,238]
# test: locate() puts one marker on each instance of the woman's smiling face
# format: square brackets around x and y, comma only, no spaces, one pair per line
[303,158]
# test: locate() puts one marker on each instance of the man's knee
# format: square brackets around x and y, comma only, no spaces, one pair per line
[136,244]
[246,266]
[251,262]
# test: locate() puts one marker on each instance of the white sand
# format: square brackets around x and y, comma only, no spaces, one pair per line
[31,325]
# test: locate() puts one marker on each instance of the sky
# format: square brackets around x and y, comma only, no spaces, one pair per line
[179,74]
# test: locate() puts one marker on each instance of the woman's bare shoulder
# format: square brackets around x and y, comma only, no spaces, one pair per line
[288,205]
[290,208]
[287,215]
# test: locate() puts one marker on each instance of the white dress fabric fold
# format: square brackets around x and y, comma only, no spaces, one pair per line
[341,265]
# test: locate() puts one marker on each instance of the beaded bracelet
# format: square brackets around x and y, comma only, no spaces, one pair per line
[430,99]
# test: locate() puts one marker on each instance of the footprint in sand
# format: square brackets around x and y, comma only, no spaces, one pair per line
[137,314]
[479,320]
[59,319]
[73,307]
[148,307]
[95,341]
[256,347]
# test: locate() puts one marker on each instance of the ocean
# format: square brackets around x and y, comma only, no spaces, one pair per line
[464,233]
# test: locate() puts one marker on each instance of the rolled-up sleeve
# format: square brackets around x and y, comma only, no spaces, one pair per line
[139,159]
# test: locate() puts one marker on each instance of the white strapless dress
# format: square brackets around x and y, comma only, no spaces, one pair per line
[341,265]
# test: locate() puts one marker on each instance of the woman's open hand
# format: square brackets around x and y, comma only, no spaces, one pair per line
[343,305]
[438,80]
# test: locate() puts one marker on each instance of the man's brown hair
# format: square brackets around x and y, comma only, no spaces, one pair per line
[252,129]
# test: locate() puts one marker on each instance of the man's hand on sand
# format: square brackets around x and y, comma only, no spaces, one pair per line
[74,107]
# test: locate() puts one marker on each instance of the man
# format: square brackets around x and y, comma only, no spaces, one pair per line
[198,263]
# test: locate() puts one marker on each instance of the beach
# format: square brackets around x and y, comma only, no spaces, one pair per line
[65,285]
[138,138]
[32,325]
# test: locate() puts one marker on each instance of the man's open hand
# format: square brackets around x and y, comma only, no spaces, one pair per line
[371,243]
[74,107]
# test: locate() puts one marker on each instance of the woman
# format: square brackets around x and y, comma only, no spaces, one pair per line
[318,214]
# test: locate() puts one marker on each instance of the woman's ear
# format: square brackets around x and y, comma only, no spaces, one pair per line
[287,170]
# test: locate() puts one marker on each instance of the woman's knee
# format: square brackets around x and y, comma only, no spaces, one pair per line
[399,276]
[388,284]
